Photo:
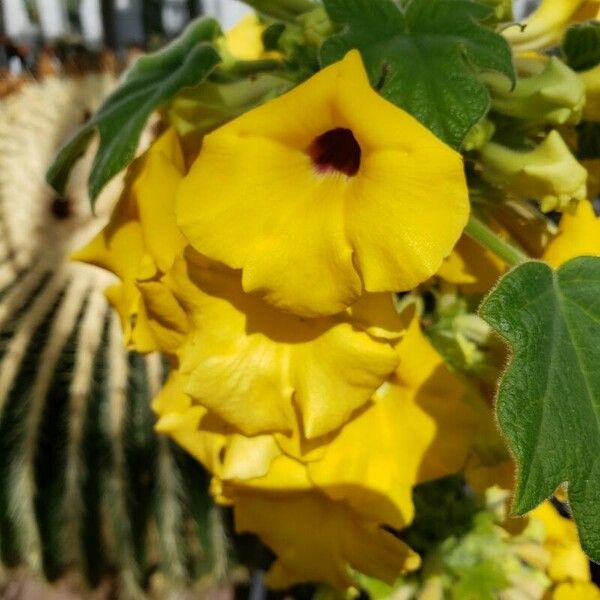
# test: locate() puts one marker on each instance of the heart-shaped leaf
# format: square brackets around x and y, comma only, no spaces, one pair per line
[151,82]
[549,398]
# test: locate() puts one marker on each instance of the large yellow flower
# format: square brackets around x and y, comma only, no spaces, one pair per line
[323,192]
[579,235]
[256,367]
[324,515]
[141,241]
[314,537]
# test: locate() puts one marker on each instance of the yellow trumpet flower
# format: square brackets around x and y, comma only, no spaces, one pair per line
[325,192]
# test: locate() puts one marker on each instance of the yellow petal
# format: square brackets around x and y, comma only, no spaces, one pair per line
[567,559]
[247,361]
[417,428]
[579,235]
[334,374]
[472,267]
[141,237]
[180,420]
[314,537]
[167,321]
[547,24]
[119,247]
[576,591]
[155,192]
[226,454]
[332,179]
[244,39]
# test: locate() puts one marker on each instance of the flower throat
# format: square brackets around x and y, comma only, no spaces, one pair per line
[336,150]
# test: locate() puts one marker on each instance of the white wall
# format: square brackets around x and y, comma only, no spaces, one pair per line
[227,11]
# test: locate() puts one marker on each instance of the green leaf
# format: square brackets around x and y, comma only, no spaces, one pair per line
[425,58]
[151,82]
[549,398]
[581,45]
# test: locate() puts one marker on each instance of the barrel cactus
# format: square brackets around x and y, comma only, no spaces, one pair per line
[86,485]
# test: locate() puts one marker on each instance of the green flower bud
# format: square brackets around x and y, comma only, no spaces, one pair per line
[479,135]
[549,173]
[555,95]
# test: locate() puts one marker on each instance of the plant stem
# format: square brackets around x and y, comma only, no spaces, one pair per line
[477,230]
[243,68]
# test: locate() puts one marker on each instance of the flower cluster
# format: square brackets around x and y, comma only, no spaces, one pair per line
[264,272]
[283,263]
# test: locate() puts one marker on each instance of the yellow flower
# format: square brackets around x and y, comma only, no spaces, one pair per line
[142,239]
[568,562]
[591,82]
[472,267]
[355,482]
[546,26]
[314,537]
[576,591]
[323,192]
[549,173]
[255,366]
[417,428]
[579,235]
[244,39]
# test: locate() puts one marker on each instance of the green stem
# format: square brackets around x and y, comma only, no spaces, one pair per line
[243,68]
[477,230]
[286,10]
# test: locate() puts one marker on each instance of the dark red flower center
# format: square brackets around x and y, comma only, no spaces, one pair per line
[336,150]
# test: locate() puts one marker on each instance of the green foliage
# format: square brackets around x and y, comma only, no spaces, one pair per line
[151,82]
[424,59]
[581,45]
[207,106]
[444,508]
[549,399]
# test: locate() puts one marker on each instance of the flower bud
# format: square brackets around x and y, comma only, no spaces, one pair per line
[479,135]
[549,173]
[555,95]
